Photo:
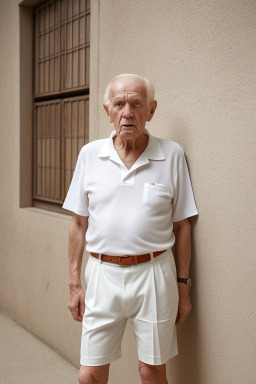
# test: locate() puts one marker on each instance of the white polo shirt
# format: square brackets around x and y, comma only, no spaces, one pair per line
[131,211]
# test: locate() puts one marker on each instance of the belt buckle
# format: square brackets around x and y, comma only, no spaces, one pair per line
[123,257]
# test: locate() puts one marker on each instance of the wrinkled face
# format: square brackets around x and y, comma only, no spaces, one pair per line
[128,109]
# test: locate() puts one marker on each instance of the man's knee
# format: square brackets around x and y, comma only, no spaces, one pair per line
[152,373]
[87,376]
[93,375]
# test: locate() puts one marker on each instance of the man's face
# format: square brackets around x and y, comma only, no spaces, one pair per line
[128,109]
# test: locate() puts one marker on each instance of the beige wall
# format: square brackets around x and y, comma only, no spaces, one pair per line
[201,57]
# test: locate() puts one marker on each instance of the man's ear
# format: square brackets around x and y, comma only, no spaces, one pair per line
[106,107]
[152,108]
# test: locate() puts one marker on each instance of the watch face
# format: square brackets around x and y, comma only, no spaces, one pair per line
[189,282]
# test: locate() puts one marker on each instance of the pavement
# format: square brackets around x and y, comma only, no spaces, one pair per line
[24,359]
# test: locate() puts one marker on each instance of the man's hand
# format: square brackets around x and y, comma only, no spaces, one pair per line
[185,306]
[76,303]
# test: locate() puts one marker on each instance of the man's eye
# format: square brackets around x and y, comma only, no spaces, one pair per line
[137,103]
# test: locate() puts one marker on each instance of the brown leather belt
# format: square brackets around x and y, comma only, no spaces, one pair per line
[126,259]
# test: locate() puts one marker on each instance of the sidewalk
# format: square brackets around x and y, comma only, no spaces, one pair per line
[26,360]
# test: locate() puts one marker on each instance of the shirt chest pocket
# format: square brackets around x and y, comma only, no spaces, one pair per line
[157,197]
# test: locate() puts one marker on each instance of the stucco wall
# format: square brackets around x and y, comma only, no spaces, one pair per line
[34,269]
[201,57]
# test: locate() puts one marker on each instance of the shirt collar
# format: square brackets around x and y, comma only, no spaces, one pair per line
[153,150]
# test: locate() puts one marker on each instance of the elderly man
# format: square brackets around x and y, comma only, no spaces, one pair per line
[131,196]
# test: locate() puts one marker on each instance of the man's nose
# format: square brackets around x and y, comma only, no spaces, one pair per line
[127,111]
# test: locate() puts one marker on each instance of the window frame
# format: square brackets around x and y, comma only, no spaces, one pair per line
[48,203]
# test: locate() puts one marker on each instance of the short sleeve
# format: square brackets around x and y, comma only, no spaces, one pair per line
[76,199]
[183,200]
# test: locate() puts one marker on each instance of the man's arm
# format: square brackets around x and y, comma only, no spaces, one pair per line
[76,242]
[182,254]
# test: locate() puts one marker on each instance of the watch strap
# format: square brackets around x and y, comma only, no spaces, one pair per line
[185,281]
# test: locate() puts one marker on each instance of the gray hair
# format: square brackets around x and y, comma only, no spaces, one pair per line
[148,85]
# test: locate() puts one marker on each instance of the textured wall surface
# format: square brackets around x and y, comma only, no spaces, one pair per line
[34,269]
[201,57]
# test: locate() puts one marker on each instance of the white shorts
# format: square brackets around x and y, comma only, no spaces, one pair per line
[146,293]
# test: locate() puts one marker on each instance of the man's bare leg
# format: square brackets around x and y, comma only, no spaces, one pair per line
[93,375]
[152,374]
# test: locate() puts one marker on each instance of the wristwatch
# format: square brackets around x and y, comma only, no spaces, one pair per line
[186,281]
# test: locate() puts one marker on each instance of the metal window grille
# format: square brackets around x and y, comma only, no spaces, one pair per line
[61,96]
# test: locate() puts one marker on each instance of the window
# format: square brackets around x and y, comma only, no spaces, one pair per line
[61,96]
